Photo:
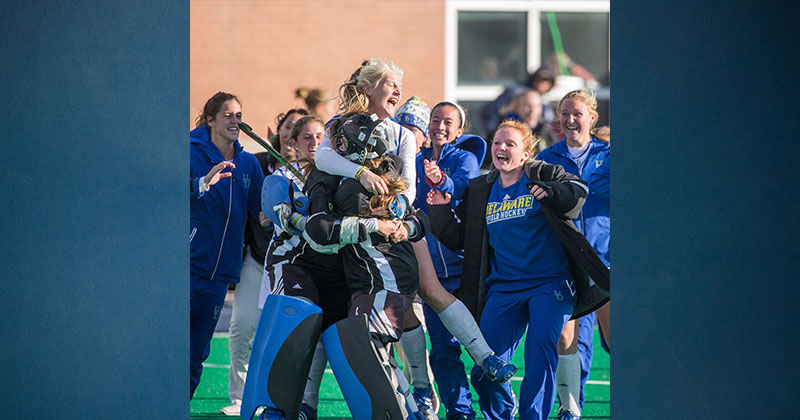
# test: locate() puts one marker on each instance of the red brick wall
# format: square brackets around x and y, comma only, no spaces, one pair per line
[262,50]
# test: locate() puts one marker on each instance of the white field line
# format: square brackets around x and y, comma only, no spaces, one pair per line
[328,371]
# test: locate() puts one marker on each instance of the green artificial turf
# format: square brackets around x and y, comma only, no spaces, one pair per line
[212,393]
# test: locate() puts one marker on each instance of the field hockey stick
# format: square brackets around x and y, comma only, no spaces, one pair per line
[249,131]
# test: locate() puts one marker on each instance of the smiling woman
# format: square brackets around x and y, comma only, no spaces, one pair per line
[511,148]
[524,264]
[374,87]
[307,134]
[581,154]
[225,186]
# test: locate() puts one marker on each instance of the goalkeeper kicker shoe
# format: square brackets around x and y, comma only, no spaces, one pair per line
[564,414]
[498,370]
[422,397]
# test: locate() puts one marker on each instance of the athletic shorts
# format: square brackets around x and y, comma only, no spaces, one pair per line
[325,288]
[386,310]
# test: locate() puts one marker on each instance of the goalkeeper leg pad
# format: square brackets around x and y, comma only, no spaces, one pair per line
[283,348]
[364,371]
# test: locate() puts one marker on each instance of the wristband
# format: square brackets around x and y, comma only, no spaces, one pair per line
[296,218]
[359,172]
[410,227]
[430,181]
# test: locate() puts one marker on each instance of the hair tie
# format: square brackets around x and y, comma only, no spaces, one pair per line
[458,107]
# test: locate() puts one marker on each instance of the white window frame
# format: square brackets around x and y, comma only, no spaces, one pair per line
[454,92]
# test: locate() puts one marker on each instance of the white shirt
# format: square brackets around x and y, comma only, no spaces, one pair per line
[328,160]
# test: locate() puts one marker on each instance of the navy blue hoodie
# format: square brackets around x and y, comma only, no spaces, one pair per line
[218,216]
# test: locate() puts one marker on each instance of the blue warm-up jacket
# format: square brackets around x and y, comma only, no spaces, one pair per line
[595,218]
[459,166]
[218,216]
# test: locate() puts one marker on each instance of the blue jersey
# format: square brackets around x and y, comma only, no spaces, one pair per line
[525,250]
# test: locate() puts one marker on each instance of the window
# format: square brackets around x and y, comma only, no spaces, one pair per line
[582,36]
[491,46]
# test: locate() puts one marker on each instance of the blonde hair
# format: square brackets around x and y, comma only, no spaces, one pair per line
[351,94]
[603,133]
[529,140]
[587,98]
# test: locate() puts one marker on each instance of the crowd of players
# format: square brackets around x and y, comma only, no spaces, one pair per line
[337,242]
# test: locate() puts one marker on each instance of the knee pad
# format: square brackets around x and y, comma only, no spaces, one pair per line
[365,371]
[283,348]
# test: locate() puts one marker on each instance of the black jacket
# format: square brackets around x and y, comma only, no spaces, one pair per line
[257,237]
[468,231]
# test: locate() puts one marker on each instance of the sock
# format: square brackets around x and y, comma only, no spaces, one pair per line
[318,364]
[568,381]
[415,349]
[459,321]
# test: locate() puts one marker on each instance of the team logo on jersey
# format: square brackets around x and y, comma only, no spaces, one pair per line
[508,208]
[558,295]
[246,181]
[571,286]
[598,163]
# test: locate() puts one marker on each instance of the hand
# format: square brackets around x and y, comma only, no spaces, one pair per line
[284,213]
[436,197]
[400,235]
[215,174]
[386,227]
[539,192]
[373,183]
[262,220]
[433,172]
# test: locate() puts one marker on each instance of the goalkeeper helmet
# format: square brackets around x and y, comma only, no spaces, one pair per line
[363,136]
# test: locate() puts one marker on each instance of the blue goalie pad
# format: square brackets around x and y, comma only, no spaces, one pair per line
[283,348]
[364,373]
[278,189]
[473,144]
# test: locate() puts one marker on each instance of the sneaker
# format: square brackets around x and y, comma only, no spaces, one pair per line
[233,409]
[498,370]
[564,414]
[307,413]
[422,396]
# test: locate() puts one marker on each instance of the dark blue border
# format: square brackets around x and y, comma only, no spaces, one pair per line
[94,227]
[705,231]
[95,209]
